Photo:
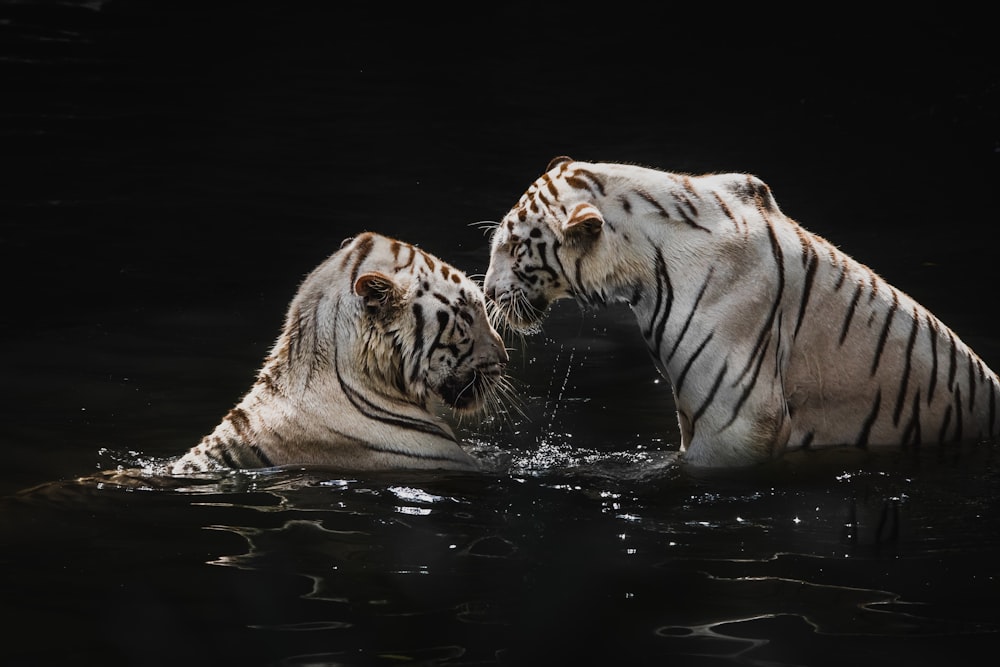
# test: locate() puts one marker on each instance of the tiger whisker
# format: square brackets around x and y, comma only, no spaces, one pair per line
[505,390]
[486,226]
[497,398]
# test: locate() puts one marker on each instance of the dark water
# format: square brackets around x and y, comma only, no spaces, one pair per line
[172,171]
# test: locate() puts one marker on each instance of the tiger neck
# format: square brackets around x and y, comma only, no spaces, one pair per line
[319,380]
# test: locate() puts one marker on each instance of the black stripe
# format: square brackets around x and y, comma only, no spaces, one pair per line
[885,333]
[779,260]
[595,187]
[933,330]
[667,307]
[680,380]
[662,281]
[850,314]
[378,413]
[656,204]
[444,318]
[660,274]
[905,381]
[911,434]
[725,210]
[866,427]
[683,199]
[777,346]
[413,454]
[806,290]
[556,245]
[747,390]
[265,462]
[543,200]
[952,362]
[360,253]
[598,182]
[711,395]
[843,275]
[227,456]
[372,447]
[418,341]
[691,315]
[538,250]
[689,221]
[625,203]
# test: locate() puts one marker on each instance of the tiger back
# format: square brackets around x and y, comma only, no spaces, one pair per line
[771,337]
[374,335]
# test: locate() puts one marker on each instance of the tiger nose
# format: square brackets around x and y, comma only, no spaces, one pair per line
[502,356]
[490,285]
[490,288]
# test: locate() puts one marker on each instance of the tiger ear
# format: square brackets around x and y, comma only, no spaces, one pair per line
[378,290]
[556,161]
[584,223]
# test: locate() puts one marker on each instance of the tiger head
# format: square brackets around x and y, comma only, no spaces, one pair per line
[426,329]
[549,247]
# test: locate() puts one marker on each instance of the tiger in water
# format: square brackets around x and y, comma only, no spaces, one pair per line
[374,333]
[772,338]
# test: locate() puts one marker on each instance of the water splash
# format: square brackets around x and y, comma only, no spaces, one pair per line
[548,428]
[552,449]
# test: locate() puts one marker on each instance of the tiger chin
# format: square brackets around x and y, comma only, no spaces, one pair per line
[377,336]
[771,337]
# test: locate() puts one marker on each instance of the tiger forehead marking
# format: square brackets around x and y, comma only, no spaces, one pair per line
[771,337]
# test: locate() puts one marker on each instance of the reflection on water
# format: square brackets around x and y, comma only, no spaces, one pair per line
[860,552]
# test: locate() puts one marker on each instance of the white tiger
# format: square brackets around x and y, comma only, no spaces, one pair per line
[771,337]
[373,332]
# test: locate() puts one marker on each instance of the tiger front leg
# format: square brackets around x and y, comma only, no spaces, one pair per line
[756,433]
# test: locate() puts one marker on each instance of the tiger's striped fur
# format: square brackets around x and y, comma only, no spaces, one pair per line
[771,337]
[372,333]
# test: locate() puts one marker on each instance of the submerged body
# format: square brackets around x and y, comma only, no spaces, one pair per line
[771,337]
[373,335]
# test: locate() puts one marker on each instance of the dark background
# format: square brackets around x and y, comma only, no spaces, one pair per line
[173,169]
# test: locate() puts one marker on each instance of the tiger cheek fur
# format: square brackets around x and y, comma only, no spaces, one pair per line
[771,337]
[465,351]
